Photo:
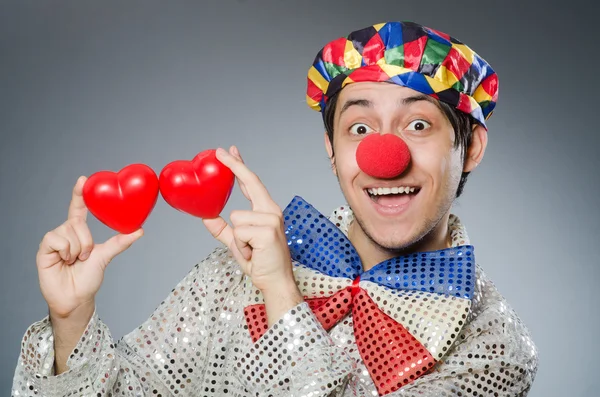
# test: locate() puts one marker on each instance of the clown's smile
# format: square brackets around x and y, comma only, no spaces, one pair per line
[391,200]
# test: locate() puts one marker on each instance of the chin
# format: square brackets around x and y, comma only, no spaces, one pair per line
[391,238]
[397,244]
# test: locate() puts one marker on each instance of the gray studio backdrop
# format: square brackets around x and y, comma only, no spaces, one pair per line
[86,86]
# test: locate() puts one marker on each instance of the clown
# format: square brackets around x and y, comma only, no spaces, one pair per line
[384,297]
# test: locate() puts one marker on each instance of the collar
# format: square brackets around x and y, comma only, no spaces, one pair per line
[343,217]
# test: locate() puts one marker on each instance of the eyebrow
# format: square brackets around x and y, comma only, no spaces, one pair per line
[416,98]
[356,102]
[368,104]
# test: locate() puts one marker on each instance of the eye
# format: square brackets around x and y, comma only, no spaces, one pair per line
[360,129]
[418,125]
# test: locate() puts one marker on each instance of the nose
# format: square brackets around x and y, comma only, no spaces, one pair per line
[382,156]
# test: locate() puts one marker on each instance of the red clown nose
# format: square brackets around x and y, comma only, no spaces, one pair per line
[382,156]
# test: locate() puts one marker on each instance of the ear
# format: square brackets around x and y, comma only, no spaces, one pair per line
[476,149]
[329,149]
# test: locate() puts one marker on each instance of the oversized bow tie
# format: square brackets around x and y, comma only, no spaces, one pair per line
[406,311]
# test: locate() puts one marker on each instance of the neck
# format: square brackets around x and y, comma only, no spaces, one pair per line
[371,253]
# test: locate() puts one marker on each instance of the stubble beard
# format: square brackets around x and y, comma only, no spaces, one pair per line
[411,243]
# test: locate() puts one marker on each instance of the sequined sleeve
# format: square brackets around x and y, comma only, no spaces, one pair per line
[295,357]
[494,354]
[96,367]
[195,343]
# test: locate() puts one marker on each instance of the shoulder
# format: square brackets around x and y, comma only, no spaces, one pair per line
[215,274]
[218,265]
[493,318]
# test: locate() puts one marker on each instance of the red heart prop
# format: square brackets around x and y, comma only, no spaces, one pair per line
[200,187]
[123,200]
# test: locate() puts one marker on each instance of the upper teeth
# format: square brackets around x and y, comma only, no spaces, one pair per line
[390,190]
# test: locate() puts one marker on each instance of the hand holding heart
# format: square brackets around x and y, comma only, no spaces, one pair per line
[256,238]
[70,265]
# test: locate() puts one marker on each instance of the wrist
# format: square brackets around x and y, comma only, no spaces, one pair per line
[81,315]
[286,290]
[280,298]
[67,331]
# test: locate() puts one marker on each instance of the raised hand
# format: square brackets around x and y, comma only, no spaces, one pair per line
[257,239]
[70,265]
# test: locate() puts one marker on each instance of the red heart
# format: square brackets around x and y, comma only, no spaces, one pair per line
[200,187]
[123,200]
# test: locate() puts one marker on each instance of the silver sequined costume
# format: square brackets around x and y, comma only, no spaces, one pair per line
[196,344]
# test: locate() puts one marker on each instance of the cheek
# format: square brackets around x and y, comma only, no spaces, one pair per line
[430,159]
[453,164]
[345,162]
[440,162]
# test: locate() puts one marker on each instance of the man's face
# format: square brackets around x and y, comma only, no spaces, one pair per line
[398,220]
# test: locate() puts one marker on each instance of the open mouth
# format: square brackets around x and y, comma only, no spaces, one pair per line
[392,196]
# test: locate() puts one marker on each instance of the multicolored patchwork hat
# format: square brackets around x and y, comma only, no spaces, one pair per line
[410,55]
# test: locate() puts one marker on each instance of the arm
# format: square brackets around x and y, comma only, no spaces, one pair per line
[192,339]
[294,357]
[280,299]
[96,363]
[71,270]
[67,332]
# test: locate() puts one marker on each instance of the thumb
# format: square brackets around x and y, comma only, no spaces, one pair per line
[219,229]
[119,243]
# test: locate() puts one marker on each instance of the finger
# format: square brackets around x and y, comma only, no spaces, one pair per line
[235,152]
[219,229]
[77,208]
[117,244]
[84,236]
[259,196]
[232,151]
[54,242]
[241,240]
[254,218]
[67,231]
[255,236]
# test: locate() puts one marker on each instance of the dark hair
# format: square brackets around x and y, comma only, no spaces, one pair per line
[461,123]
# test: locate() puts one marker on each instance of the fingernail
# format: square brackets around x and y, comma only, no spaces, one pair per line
[68,258]
[84,256]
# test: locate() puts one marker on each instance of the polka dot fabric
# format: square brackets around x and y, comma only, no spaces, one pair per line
[316,242]
[449,271]
[197,342]
[319,244]
[434,320]
[315,285]
[391,354]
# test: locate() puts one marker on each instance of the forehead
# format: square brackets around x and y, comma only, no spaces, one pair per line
[376,90]
[381,94]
